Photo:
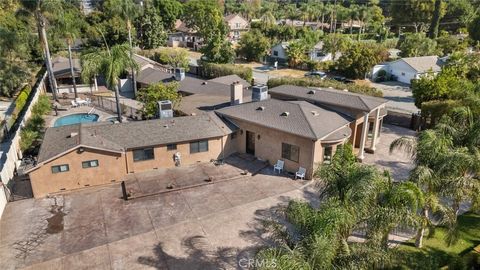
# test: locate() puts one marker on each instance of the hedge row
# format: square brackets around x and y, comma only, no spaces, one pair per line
[31,134]
[312,82]
[212,70]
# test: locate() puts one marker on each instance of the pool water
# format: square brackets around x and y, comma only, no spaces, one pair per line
[76,119]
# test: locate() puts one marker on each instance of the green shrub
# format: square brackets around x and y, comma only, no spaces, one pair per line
[312,82]
[21,100]
[32,132]
[212,70]
[42,106]
[27,139]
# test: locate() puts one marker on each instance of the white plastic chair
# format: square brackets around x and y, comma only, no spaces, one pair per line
[278,166]
[301,173]
[74,103]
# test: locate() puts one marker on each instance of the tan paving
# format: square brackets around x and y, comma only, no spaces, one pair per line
[397,163]
[208,227]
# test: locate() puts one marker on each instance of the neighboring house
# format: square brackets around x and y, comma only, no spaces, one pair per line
[82,155]
[237,25]
[184,37]
[198,95]
[299,133]
[279,52]
[319,54]
[407,69]
[360,108]
[63,76]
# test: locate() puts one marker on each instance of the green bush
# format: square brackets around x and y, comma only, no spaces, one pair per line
[42,106]
[27,139]
[32,132]
[312,82]
[212,70]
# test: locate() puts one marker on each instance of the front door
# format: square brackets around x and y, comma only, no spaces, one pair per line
[250,148]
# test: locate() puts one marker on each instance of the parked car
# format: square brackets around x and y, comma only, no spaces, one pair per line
[342,79]
[316,74]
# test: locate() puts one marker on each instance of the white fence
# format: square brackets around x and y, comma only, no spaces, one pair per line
[81,88]
[10,153]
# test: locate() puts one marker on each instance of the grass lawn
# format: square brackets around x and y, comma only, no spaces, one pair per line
[436,252]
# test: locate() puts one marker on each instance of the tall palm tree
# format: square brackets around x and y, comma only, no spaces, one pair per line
[69,29]
[111,63]
[127,10]
[39,9]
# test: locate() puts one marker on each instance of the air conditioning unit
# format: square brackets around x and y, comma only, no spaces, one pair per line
[259,92]
[179,74]
[165,109]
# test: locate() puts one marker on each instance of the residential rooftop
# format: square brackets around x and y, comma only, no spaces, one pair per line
[295,117]
[137,134]
[330,97]
[424,64]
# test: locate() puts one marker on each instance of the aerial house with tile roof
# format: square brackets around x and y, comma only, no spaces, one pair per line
[360,108]
[82,155]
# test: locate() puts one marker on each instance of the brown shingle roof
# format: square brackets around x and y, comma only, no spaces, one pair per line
[299,117]
[330,97]
[124,136]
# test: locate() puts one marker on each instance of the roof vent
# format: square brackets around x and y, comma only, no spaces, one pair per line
[285,114]
[315,113]
[73,134]
[261,108]
[311,92]
[204,83]
[165,126]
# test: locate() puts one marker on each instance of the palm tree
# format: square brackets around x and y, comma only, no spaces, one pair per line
[69,29]
[446,159]
[127,10]
[111,63]
[39,8]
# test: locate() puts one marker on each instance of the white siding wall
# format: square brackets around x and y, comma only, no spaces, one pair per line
[402,71]
[282,54]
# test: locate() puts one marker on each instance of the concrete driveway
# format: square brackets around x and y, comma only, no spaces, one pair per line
[397,163]
[399,95]
[207,227]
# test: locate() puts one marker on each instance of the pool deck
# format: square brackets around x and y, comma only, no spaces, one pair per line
[51,118]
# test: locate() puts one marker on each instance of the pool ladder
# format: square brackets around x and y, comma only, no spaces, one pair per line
[92,110]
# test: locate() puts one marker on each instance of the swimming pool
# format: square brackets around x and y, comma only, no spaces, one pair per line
[75,119]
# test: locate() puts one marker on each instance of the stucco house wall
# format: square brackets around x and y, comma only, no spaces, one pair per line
[237,26]
[111,168]
[268,146]
[164,158]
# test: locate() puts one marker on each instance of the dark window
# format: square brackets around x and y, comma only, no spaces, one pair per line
[275,53]
[290,152]
[199,146]
[60,168]
[143,154]
[320,54]
[89,164]
[171,147]
[327,154]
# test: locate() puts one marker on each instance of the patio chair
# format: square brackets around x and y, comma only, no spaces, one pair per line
[301,173]
[74,103]
[278,166]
